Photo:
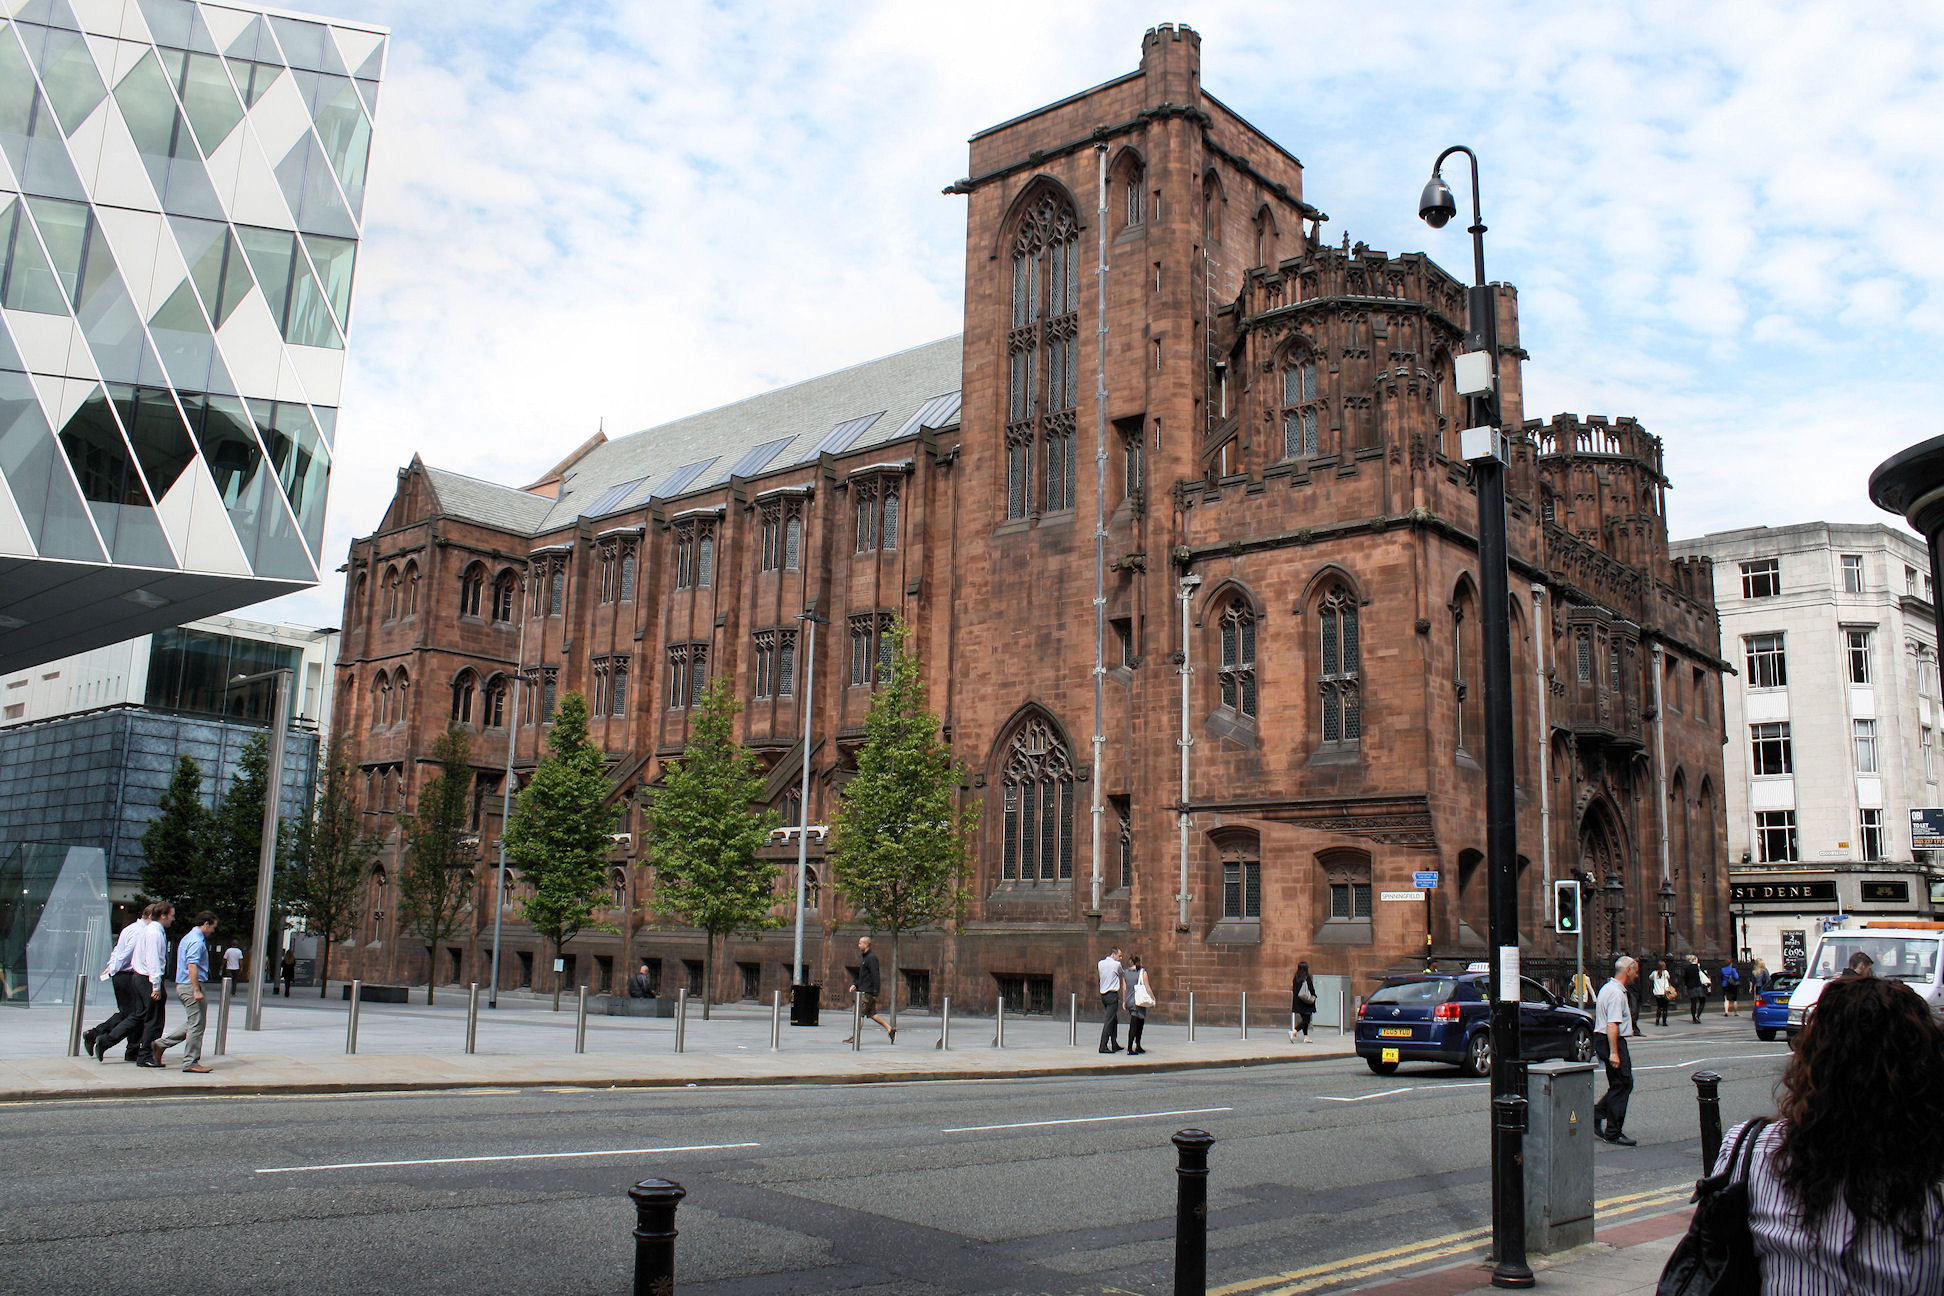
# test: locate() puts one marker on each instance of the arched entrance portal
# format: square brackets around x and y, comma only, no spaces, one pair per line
[1603,857]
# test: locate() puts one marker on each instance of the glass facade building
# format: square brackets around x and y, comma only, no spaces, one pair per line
[181,195]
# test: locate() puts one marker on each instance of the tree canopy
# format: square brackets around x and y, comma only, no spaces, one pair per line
[331,853]
[435,883]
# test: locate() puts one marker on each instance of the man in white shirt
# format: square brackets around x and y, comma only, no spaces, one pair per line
[1611,1015]
[120,975]
[143,1027]
[233,961]
[1111,975]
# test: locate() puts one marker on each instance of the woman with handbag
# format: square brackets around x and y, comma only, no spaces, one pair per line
[1140,997]
[1697,987]
[1302,1003]
[1845,1188]
[1661,986]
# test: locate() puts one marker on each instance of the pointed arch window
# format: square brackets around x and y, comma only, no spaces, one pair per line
[1134,191]
[1037,792]
[793,537]
[503,587]
[1238,670]
[391,594]
[628,574]
[557,591]
[411,589]
[471,585]
[1302,411]
[464,689]
[1042,357]
[494,713]
[1339,674]
[381,697]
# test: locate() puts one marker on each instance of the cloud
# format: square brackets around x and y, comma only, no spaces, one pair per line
[617,214]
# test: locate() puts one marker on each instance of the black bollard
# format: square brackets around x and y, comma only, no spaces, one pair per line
[655,1202]
[1707,1087]
[1191,1211]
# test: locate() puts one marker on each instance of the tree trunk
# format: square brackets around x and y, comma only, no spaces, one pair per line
[893,1016]
[324,969]
[431,971]
[708,970]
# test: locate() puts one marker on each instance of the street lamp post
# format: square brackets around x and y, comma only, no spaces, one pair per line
[810,616]
[1616,900]
[1483,446]
[267,850]
[506,794]
[1664,898]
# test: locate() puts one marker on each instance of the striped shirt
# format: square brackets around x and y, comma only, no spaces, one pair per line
[1837,1259]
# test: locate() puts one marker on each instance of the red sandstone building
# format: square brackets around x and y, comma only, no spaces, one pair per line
[1278,447]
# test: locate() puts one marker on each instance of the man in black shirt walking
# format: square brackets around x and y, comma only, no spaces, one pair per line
[867,986]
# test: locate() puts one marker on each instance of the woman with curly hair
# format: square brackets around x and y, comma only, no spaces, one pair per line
[1846,1187]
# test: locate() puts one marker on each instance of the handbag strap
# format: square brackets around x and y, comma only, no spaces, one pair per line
[1742,1159]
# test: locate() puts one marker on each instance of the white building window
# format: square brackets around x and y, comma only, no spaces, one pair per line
[1768,665]
[1872,835]
[1775,834]
[1770,748]
[1761,578]
[1856,652]
[1852,573]
[1866,746]
[1924,750]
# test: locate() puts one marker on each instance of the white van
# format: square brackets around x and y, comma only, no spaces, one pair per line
[1911,952]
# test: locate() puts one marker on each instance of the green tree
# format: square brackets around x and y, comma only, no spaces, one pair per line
[559,837]
[704,832]
[330,854]
[176,842]
[227,885]
[899,847]
[435,884]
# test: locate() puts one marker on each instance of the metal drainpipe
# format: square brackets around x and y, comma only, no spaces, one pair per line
[1188,584]
[1541,637]
[506,786]
[1660,758]
[1100,531]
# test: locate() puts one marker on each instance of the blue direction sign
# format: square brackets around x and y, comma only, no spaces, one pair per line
[1425,881]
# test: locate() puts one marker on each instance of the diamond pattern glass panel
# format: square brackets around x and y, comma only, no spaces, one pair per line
[67,70]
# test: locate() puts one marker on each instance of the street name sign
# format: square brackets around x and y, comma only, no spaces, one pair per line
[1401,895]
[1426,881]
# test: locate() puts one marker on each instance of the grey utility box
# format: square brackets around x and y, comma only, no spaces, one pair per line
[1559,1156]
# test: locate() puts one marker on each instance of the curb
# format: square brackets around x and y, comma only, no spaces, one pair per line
[272,1088]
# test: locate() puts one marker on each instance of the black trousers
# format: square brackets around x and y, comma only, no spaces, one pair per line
[1695,1004]
[1660,1010]
[1612,1107]
[1136,1022]
[123,984]
[1110,1020]
[134,1026]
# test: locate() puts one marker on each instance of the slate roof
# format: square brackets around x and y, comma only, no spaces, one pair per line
[904,389]
[486,502]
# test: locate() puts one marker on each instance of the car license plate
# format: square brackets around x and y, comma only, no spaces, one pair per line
[1390,1055]
[1395,1032]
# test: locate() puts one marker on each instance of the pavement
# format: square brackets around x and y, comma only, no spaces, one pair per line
[1623,1260]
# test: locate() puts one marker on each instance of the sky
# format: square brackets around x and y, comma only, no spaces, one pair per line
[585,216]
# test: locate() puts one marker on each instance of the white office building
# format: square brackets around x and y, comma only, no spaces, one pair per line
[1831,727]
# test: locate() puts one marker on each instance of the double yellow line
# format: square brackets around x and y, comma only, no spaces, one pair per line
[1372,1263]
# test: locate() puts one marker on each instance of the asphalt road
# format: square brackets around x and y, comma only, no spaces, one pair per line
[933,1187]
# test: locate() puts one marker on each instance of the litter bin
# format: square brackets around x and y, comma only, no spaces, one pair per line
[804,1002]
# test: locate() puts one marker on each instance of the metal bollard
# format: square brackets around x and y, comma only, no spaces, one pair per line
[1191,1211]
[351,1030]
[857,1020]
[1343,1007]
[681,1018]
[945,1025]
[776,1020]
[1191,1016]
[1245,1014]
[580,1022]
[1707,1085]
[80,1010]
[655,1202]
[1073,1019]
[999,1025]
[472,1018]
[222,1016]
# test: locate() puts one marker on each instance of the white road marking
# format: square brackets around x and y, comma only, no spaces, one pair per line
[1725,1057]
[1363,1097]
[522,1156]
[1085,1120]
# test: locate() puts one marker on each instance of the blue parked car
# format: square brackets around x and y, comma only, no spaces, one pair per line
[1771,1010]
[1445,1017]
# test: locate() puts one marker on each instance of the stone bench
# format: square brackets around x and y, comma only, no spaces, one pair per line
[623,1006]
[380,994]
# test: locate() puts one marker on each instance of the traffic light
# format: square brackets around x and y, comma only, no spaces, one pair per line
[1566,907]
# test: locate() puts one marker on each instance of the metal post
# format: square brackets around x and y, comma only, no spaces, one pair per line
[999,1025]
[506,794]
[1707,1092]
[803,787]
[1245,1014]
[945,1025]
[1191,1016]
[655,1202]
[580,1021]
[857,1020]
[351,1027]
[267,849]
[1191,1211]
[776,1021]
[222,1016]
[681,1018]
[1186,741]
[80,1009]
[472,1018]
[1343,1011]
[1073,1019]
